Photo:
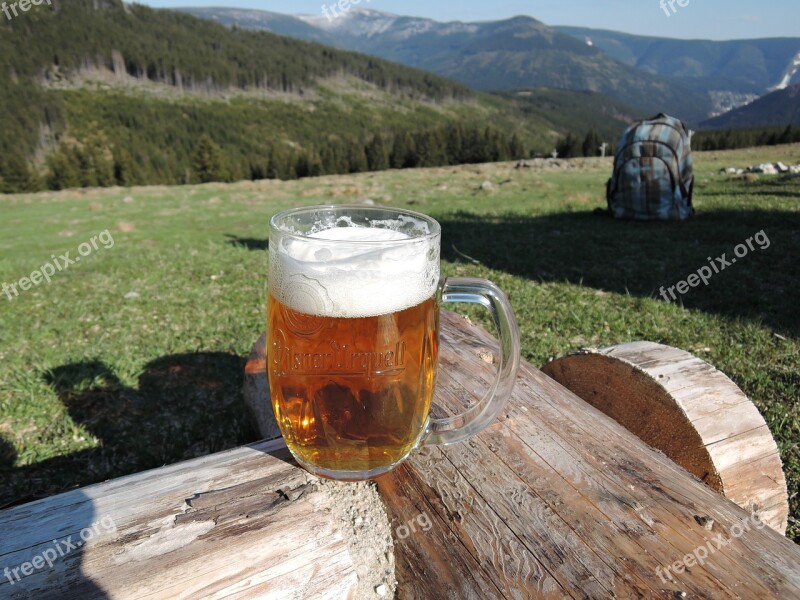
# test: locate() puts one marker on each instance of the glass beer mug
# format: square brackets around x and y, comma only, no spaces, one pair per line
[353,338]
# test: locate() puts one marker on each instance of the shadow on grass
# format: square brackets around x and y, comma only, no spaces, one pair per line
[184,406]
[8,456]
[640,258]
[248,243]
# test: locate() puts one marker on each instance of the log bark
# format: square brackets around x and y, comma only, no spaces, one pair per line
[245,523]
[689,410]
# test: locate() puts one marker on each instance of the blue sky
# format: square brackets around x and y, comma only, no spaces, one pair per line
[706,19]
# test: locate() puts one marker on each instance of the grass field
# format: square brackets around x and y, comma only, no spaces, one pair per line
[133,357]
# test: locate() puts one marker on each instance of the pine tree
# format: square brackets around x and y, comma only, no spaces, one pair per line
[591,144]
[516,148]
[475,150]
[404,152]
[356,158]
[455,144]
[103,167]
[86,168]
[63,173]
[208,163]
[430,148]
[496,146]
[17,176]
[569,146]
[125,170]
[309,164]
[377,154]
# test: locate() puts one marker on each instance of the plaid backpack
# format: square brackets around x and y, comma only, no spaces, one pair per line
[653,177]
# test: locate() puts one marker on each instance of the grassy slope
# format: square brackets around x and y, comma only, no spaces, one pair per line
[94,385]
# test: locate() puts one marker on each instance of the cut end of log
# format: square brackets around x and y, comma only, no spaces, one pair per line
[689,410]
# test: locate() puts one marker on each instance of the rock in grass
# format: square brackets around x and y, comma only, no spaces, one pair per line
[766,169]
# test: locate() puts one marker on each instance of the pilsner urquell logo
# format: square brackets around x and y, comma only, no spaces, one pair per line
[342,360]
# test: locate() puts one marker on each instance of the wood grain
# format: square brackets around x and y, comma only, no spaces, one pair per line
[557,499]
[692,412]
[247,523]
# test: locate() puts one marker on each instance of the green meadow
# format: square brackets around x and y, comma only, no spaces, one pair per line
[133,357]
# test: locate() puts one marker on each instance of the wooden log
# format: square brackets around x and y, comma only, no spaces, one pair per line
[689,410]
[554,500]
[247,523]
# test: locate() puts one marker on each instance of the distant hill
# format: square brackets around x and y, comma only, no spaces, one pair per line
[777,109]
[741,66]
[517,53]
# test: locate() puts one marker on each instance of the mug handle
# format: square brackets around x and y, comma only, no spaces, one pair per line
[441,432]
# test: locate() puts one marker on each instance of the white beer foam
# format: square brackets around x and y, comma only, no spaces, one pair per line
[336,273]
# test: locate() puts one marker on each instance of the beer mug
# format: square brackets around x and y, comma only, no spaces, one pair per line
[353,338]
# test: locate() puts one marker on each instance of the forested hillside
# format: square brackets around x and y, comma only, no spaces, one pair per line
[96,92]
[577,112]
[781,107]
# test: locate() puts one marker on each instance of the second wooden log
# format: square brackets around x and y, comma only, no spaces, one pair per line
[689,410]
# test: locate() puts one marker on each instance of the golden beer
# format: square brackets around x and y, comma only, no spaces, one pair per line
[352,338]
[352,394]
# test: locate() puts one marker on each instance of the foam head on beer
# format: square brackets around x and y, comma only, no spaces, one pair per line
[353,271]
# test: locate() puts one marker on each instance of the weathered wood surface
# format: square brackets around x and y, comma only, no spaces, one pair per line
[554,500]
[689,410]
[246,523]
[557,499]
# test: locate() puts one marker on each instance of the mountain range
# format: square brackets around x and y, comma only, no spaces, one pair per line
[743,66]
[693,79]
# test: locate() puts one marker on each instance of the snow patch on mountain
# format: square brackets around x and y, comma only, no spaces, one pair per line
[366,23]
[788,76]
[357,21]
